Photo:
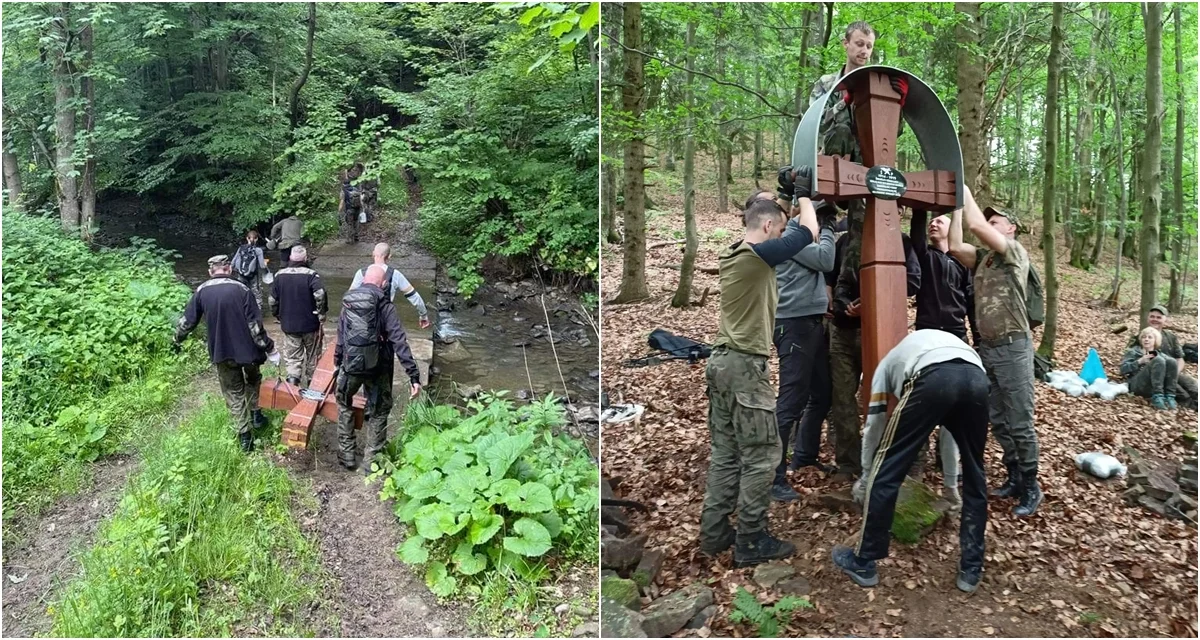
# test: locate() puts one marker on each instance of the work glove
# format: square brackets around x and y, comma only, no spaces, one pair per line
[801,181]
[826,214]
[900,86]
[787,185]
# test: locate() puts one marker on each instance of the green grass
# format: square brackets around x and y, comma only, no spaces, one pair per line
[512,605]
[202,543]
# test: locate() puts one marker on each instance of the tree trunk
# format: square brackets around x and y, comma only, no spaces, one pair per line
[683,292]
[1084,218]
[633,275]
[1018,201]
[1123,202]
[64,122]
[1050,149]
[970,80]
[609,204]
[1175,300]
[12,182]
[294,94]
[801,88]
[1152,157]
[1130,248]
[1101,191]
[758,134]
[87,85]
[724,148]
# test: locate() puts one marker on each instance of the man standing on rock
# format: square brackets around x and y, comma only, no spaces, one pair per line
[1001,273]
[937,379]
[1185,385]
[298,299]
[745,446]
[394,281]
[369,336]
[237,342]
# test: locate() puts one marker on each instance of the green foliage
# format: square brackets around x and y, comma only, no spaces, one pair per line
[490,491]
[202,543]
[85,351]
[766,621]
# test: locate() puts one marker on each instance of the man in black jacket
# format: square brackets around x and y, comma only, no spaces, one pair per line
[946,299]
[298,299]
[237,342]
[369,335]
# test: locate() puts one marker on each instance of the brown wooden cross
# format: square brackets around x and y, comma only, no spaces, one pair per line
[297,427]
[882,280]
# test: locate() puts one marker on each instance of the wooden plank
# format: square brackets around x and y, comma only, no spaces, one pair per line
[303,412]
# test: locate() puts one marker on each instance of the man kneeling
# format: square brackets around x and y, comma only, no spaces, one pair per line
[938,379]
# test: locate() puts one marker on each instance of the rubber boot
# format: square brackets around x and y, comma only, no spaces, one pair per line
[247,441]
[1011,487]
[1031,496]
[760,547]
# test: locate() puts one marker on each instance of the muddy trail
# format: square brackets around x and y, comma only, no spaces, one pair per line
[47,554]
[1088,564]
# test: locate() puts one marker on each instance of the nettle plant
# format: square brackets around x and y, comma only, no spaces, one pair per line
[489,490]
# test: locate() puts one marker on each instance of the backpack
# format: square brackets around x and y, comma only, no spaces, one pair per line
[245,261]
[387,277]
[1035,299]
[352,194]
[363,348]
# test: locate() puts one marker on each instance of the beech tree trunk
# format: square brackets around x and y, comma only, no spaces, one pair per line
[633,94]
[724,146]
[1123,202]
[970,80]
[1050,153]
[64,121]
[12,181]
[683,293]
[87,85]
[1152,157]
[1175,300]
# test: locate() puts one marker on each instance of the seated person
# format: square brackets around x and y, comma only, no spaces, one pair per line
[1149,372]
[1185,385]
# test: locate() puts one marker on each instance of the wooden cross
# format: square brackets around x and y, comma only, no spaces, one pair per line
[297,427]
[882,282]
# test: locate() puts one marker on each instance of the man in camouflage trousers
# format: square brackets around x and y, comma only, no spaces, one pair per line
[299,301]
[1006,349]
[745,445]
[839,138]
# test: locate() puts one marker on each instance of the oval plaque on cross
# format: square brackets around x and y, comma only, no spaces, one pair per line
[886,183]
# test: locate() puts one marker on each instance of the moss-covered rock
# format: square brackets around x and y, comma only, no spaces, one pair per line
[621,591]
[918,509]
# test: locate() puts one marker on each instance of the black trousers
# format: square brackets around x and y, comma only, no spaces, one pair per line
[804,387]
[953,394]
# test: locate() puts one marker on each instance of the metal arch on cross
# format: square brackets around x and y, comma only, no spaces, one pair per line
[877,114]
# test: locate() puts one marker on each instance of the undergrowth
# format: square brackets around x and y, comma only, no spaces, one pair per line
[496,504]
[203,543]
[766,621]
[85,351]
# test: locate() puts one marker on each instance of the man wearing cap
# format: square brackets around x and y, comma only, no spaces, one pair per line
[237,342]
[369,336]
[298,300]
[394,281]
[1185,385]
[1006,349]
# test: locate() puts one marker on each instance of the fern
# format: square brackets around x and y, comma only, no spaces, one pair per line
[767,621]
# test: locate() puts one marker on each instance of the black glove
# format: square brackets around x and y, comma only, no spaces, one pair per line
[801,179]
[826,214]
[787,185]
[176,347]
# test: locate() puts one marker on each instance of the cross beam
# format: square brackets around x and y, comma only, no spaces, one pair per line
[304,409]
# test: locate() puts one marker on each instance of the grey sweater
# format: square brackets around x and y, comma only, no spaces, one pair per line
[801,280]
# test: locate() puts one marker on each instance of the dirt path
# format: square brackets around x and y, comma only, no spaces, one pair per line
[377,595]
[48,556]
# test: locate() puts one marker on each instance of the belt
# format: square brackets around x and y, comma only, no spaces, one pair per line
[1008,338]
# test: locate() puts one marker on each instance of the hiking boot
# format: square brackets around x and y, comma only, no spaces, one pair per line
[246,440]
[723,543]
[823,468]
[1159,401]
[1011,487]
[862,572]
[260,420]
[1171,403]
[1031,497]
[968,581]
[784,493]
[348,466]
[760,547]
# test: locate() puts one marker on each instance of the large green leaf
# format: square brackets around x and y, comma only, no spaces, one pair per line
[531,497]
[532,538]
[439,580]
[502,488]
[551,521]
[426,485]
[500,456]
[433,520]
[413,551]
[468,562]
[483,528]
[408,510]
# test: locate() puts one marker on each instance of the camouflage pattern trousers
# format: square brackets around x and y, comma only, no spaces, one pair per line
[1158,376]
[349,224]
[300,352]
[378,391]
[845,367]
[1009,366]
[745,445]
[239,385]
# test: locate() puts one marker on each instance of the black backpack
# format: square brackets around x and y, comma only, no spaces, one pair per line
[363,350]
[245,261]
[1035,299]
[352,194]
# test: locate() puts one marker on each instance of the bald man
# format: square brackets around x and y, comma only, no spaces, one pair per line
[369,336]
[395,282]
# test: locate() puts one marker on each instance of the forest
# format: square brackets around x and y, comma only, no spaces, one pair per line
[243,113]
[1079,117]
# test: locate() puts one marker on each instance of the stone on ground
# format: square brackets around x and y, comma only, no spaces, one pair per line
[918,509]
[618,621]
[667,615]
[648,568]
[621,553]
[766,575]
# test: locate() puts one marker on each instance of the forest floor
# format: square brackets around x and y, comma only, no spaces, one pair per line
[1086,565]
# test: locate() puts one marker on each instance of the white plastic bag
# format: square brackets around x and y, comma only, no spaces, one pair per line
[268,277]
[1100,464]
[1107,390]
[362,217]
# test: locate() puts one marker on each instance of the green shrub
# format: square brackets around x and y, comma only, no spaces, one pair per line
[202,543]
[86,337]
[492,490]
